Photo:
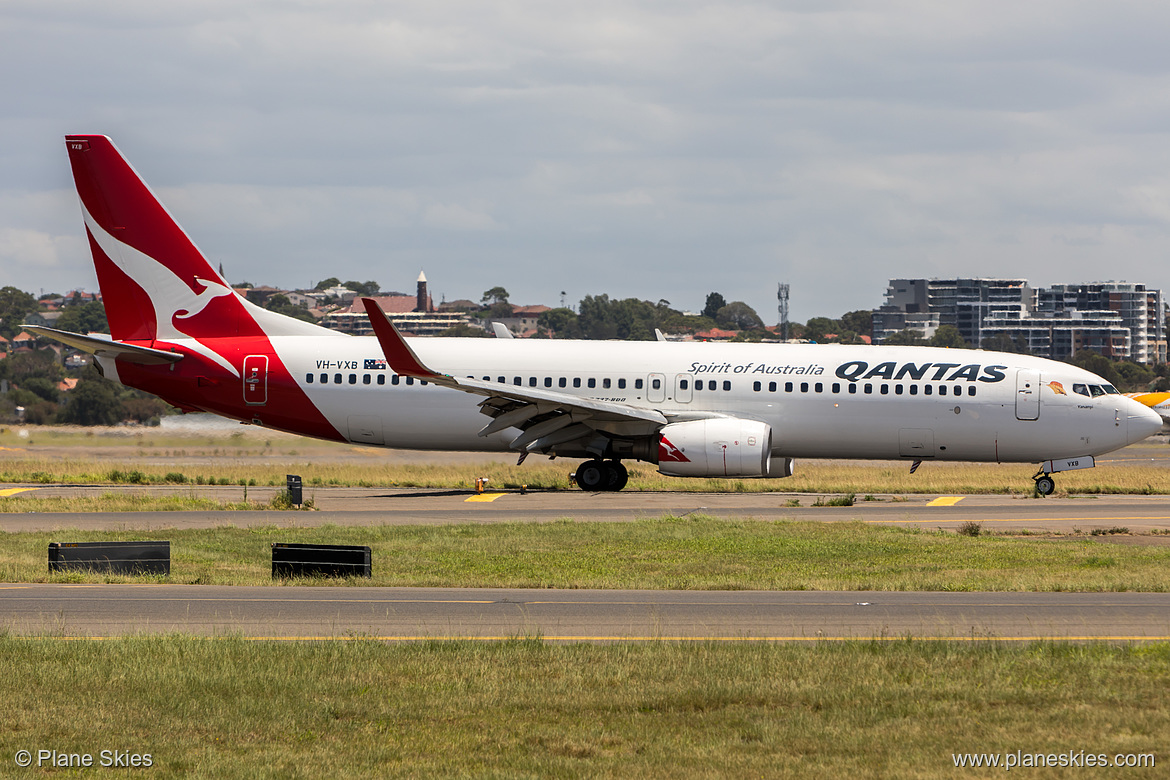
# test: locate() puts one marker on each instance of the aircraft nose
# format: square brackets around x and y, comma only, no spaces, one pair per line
[1143,421]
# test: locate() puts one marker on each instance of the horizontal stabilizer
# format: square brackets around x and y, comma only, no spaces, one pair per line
[108,348]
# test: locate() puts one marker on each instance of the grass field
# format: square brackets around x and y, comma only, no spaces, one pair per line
[252,456]
[230,708]
[858,477]
[695,552]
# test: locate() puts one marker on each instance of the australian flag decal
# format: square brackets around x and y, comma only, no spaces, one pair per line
[375,364]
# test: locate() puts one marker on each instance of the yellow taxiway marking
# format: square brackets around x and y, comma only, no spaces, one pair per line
[485,497]
[13,491]
[945,501]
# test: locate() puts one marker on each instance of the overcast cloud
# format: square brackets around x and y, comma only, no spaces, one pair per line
[640,149]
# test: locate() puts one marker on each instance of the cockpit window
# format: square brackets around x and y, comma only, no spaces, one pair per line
[1111,390]
[1096,390]
[1081,389]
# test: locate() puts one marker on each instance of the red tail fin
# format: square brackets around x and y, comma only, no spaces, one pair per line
[155,283]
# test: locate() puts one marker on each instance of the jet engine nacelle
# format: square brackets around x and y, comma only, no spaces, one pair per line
[724,447]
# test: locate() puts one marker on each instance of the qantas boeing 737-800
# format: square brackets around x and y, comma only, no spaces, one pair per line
[178,330]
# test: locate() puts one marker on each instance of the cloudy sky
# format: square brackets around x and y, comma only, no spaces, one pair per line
[649,149]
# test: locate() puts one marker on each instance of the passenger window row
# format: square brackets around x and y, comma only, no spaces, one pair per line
[868,388]
[562,382]
[339,379]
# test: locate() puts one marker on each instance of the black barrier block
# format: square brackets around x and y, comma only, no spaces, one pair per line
[293,483]
[320,560]
[111,557]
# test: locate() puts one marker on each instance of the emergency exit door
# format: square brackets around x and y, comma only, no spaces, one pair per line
[256,380]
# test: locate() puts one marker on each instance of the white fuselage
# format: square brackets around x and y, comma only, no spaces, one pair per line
[828,401]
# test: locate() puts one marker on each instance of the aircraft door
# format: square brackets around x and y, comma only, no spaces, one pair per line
[656,388]
[682,388]
[1027,394]
[256,380]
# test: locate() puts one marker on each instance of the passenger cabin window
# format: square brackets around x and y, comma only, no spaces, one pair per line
[548,381]
[711,384]
[804,387]
[726,385]
[309,378]
[788,387]
[970,389]
[757,386]
[410,380]
[381,379]
[637,384]
[366,379]
[337,379]
[771,387]
[591,382]
[562,382]
[394,379]
[576,381]
[353,379]
[605,383]
[621,384]
[324,379]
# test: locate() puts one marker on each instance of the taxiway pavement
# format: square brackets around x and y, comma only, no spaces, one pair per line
[318,613]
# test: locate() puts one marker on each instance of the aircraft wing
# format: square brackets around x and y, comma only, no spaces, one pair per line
[547,417]
[104,346]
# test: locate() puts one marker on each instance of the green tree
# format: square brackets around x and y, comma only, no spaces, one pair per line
[494,296]
[464,331]
[282,305]
[860,322]
[948,336]
[715,302]
[325,284]
[817,327]
[559,324]
[365,289]
[15,305]
[737,315]
[906,338]
[1002,342]
[84,318]
[93,402]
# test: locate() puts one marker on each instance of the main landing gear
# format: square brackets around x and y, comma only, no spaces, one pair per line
[599,475]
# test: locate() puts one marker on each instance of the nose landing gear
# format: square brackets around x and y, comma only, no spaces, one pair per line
[1044,484]
[602,475]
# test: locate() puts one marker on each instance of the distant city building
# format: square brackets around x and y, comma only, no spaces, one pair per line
[414,315]
[1119,320]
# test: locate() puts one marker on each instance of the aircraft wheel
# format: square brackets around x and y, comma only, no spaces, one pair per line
[592,475]
[616,475]
[1045,485]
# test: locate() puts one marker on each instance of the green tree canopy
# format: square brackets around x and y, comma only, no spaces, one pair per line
[365,289]
[84,318]
[906,338]
[948,336]
[15,305]
[325,284]
[494,296]
[282,305]
[737,315]
[715,302]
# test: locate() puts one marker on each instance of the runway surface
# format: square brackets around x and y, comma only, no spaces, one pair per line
[308,613]
[377,506]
